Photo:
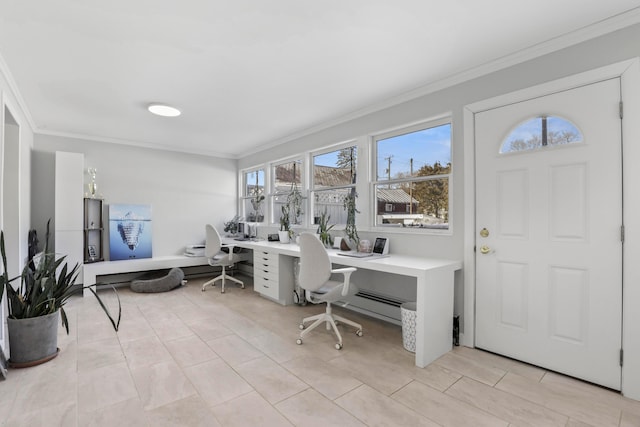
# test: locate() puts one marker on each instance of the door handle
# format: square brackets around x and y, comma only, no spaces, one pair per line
[484,249]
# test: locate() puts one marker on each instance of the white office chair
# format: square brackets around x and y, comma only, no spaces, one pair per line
[315,272]
[218,258]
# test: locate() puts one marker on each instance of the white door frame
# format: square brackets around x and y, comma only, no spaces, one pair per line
[629,72]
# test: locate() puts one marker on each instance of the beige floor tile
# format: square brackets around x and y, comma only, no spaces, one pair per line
[629,420]
[327,379]
[168,330]
[580,408]
[276,347]
[471,368]
[435,376]
[192,412]
[190,350]
[105,386]
[128,413]
[375,409]
[311,409]
[249,410]
[96,354]
[234,350]
[145,352]
[271,380]
[59,415]
[383,375]
[443,409]
[505,406]
[135,328]
[193,314]
[209,329]
[161,383]
[216,382]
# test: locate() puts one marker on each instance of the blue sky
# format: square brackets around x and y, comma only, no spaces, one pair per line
[425,147]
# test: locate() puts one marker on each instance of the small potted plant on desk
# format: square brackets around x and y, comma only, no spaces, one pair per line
[231,226]
[324,228]
[37,304]
[285,226]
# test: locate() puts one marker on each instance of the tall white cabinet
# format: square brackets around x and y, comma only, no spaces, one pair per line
[69,217]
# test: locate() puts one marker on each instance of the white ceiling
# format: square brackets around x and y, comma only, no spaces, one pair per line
[252,73]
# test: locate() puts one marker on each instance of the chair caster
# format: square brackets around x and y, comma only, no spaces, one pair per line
[202,289]
[338,346]
[299,341]
[301,326]
[359,332]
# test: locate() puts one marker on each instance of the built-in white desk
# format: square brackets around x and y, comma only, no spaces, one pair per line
[434,281]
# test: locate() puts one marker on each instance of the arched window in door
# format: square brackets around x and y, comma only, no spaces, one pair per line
[540,132]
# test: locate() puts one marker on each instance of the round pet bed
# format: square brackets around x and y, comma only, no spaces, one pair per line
[165,283]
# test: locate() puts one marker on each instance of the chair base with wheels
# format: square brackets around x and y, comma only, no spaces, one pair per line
[331,321]
[223,277]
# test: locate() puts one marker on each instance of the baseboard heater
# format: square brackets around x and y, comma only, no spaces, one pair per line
[385,299]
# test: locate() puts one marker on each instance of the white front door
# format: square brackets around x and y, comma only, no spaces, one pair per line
[548,233]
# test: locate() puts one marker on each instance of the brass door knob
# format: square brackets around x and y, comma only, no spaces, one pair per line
[484,249]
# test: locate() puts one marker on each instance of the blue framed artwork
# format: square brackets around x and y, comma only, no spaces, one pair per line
[129,231]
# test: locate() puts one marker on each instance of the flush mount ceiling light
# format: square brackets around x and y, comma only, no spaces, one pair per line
[163,110]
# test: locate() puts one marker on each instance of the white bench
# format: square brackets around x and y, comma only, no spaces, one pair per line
[92,271]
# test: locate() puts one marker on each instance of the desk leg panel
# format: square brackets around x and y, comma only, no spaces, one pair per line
[434,315]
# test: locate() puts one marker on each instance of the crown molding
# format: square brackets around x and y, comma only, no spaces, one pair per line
[130,143]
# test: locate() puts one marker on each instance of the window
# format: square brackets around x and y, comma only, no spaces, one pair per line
[413,171]
[253,196]
[541,132]
[334,177]
[287,188]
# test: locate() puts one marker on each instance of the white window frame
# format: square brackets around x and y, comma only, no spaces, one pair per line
[243,196]
[375,182]
[312,189]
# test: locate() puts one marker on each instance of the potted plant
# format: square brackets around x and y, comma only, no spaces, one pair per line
[256,203]
[324,228]
[37,304]
[350,228]
[285,226]
[231,226]
[295,200]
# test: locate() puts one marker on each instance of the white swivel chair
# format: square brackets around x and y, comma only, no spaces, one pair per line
[315,274]
[218,258]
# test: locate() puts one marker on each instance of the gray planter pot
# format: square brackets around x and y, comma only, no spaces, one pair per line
[33,341]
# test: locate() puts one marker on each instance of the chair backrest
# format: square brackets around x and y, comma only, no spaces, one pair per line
[213,243]
[315,266]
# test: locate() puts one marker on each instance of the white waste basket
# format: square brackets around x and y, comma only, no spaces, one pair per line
[408,313]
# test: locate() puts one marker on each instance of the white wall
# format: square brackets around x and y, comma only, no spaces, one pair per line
[599,52]
[185,191]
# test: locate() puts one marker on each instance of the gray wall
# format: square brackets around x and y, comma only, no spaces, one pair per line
[185,191]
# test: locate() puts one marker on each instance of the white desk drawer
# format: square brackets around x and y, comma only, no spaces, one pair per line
[266,286]
[265,257]
[264,273]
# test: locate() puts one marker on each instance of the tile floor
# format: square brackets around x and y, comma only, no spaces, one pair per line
[188,358]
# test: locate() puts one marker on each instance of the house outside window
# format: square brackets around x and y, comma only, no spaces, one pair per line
[287,184]
[333,178]
[413,171]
